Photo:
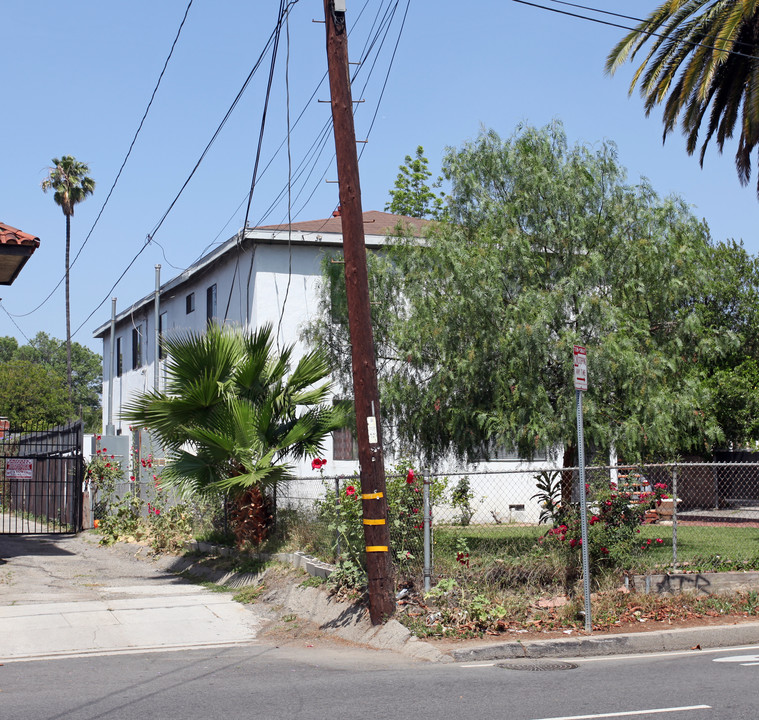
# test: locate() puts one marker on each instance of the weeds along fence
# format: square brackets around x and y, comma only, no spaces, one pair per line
[707,515]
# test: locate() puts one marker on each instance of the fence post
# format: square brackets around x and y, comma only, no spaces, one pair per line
[427,514]
[337,514]
[674,516]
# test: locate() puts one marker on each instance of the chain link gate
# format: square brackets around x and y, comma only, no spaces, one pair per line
[41,474]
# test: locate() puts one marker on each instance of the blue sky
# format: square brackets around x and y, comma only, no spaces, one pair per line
[77,78]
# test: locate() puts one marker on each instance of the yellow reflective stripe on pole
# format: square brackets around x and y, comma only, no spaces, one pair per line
[371,496]
[376,548]
[374,522]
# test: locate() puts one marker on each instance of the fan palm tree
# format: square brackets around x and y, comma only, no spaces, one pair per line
[231,418]
[703,59]
[68,178]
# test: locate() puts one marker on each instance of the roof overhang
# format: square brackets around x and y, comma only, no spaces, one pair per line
[16,247]
[325,233]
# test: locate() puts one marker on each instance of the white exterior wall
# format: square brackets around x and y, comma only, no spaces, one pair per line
[261,300]
[272,286]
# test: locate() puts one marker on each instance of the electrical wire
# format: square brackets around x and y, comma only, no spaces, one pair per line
[150,237]
[118,175]
[300,167]
[238,97]
[638,30]
[284,8]
[223,122]
[289,187]
[597,10]
[379,30]
[15,323]
[113,287]
[387,75]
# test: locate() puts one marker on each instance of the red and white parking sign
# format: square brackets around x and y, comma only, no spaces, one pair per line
[19,469]
[581,368]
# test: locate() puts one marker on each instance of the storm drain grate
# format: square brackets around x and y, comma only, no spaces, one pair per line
[536,665]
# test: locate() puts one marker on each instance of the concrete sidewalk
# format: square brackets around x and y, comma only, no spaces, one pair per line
[62,596]
[167,621]
[69,596]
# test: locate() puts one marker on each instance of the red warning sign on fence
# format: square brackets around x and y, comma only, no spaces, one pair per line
[19,469]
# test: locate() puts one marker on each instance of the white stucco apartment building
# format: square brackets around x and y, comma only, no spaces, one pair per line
[265,275]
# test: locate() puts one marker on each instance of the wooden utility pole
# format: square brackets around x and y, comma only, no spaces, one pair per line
[366,394]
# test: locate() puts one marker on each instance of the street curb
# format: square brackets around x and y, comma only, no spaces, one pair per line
[348,621]
[621,644]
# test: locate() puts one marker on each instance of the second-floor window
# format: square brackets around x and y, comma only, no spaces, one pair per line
[137,347]
[190,303]
[211,303]
[161,331]
[119,358]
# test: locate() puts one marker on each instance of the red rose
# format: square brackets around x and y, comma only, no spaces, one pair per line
[350,491]
[410,476]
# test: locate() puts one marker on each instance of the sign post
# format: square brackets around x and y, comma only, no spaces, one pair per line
[581,384]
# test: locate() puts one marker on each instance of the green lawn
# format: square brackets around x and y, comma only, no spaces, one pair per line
[701,546]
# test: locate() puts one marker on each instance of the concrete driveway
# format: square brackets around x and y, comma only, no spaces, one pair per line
[65,595]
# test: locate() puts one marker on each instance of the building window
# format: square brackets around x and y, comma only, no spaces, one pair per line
[137,347]
[161,330]
[119,358]
[190,303]
[501,451]
[211,303]
[344,445]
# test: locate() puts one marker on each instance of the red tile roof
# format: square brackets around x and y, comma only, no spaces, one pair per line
[13,236]
[375,223]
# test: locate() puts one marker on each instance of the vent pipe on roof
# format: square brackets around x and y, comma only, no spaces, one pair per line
[156,321]
[109,428]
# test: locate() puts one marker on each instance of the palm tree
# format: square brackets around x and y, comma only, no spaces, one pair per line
[231,419]
[68,178]
[703,58]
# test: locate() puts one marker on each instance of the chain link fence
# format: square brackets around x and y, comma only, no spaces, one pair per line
[707,514]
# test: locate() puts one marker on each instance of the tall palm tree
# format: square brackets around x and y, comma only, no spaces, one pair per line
[68,178]
[231,418]
[703,58]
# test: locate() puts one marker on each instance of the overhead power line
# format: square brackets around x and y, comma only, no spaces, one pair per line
[626,27]
[221,125]
[123,164]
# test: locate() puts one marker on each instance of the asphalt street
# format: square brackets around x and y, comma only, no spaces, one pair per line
[90,632]
[300,683]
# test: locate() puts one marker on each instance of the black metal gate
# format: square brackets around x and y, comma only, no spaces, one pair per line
[41,474]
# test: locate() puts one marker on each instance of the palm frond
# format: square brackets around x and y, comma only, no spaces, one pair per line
[701,63]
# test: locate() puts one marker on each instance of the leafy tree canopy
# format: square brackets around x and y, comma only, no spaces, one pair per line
[411,195]
[546,247]
[31,393]
[731,308]
[50,353]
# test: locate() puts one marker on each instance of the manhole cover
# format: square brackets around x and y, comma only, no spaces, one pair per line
[535,664]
